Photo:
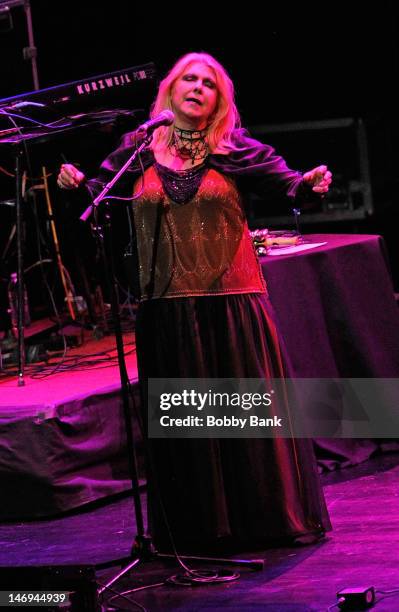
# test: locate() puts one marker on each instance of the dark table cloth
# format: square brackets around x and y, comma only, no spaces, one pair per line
[337,314]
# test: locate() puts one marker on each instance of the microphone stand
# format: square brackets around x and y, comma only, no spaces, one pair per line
[102,195]
[30,53]
[142,548]
[142,545]
[20,268]
[20,296]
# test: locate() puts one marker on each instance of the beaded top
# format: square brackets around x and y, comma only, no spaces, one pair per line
[200,248]
[181,185]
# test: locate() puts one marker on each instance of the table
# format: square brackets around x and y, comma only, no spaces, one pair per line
[336,311]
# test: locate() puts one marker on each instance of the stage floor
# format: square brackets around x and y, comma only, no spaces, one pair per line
[88,369]
[360,551]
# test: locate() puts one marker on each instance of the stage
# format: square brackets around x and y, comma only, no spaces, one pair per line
[62,435]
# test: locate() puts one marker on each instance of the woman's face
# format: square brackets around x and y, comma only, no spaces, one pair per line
[194,96]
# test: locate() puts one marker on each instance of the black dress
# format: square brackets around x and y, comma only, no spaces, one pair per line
[222,494]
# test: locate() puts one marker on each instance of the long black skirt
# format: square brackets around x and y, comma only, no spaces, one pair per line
[223,493]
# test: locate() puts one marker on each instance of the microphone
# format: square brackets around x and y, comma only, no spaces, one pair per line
[164,118]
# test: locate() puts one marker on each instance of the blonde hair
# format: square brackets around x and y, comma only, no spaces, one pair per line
[226,117]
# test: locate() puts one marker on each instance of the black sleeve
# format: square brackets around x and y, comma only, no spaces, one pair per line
[112,164]
[258,169]
[78,200]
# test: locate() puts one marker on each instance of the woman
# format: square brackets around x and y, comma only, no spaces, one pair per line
[204,312]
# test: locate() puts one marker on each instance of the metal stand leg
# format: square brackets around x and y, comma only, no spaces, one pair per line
[19,230]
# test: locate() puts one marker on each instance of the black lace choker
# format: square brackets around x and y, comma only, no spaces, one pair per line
[189,144]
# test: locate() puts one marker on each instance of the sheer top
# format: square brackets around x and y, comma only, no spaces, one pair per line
[199,246]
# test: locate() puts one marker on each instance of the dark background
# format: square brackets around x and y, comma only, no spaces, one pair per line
[312,62]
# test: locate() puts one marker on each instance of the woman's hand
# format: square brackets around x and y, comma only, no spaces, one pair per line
[319,179]
[69,177]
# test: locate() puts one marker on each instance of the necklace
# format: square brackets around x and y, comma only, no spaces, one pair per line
[189,144]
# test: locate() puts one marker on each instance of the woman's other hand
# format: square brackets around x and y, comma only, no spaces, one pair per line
[319,179]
